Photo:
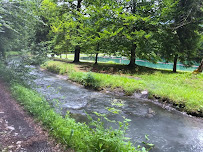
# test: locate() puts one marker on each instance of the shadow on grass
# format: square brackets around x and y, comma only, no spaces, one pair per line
[111,68]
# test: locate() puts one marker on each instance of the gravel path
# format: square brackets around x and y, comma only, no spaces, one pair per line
[18,131]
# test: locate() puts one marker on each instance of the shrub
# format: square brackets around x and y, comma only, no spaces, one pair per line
[90,81]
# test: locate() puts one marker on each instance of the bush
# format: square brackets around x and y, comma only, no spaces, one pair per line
[54,69]
[15,72]
[90,81]
[36,59]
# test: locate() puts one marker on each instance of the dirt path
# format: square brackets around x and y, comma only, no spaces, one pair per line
[18,131]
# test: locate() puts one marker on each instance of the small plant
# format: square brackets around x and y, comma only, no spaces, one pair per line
[54,68]
[148,145]
[90,81]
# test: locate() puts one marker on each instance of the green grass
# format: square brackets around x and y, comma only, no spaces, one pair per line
[68,132]
[58,67]
[181,88]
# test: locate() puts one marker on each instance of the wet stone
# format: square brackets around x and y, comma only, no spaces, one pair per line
[144,94]
[10,128]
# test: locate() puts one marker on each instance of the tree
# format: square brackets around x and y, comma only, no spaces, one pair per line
[8,25]
[181,30]
[77,48]
[95,29]
[136,22]
[56,19]
[19,19]
[64,20]
[199,69]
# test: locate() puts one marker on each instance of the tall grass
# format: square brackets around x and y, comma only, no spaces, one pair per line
[183,89]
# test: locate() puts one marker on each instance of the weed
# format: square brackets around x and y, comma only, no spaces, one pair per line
[90,81]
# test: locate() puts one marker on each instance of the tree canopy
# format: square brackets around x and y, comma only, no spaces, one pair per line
[152,30]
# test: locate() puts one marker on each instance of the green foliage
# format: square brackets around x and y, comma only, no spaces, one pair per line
[22,27]
[90,81]
[96,80]
[182,88]
[180,36]
[58,67]
[151,30]
[36,59]
[15,72]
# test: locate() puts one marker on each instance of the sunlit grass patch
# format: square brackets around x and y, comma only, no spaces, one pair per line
[182,88]
[58,67]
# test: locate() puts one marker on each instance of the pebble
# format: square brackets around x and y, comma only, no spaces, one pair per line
[10,128]
[11,146]
[18,142]
[150,111]
[144,92]
[15,134]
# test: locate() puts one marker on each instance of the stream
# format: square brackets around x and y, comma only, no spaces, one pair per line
[168,130]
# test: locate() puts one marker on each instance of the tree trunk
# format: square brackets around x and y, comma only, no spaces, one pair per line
[96,58]
[199,69]
[134,46]
[77,54]
[79,5]
[132,55]
[175,63]
[66,56]
[77,48]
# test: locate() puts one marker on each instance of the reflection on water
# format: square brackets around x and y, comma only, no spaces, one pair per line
[170,131]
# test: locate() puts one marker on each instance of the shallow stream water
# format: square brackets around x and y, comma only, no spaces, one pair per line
[170,131]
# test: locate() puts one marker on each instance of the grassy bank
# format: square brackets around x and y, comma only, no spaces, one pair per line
[183,89]
[75,135]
